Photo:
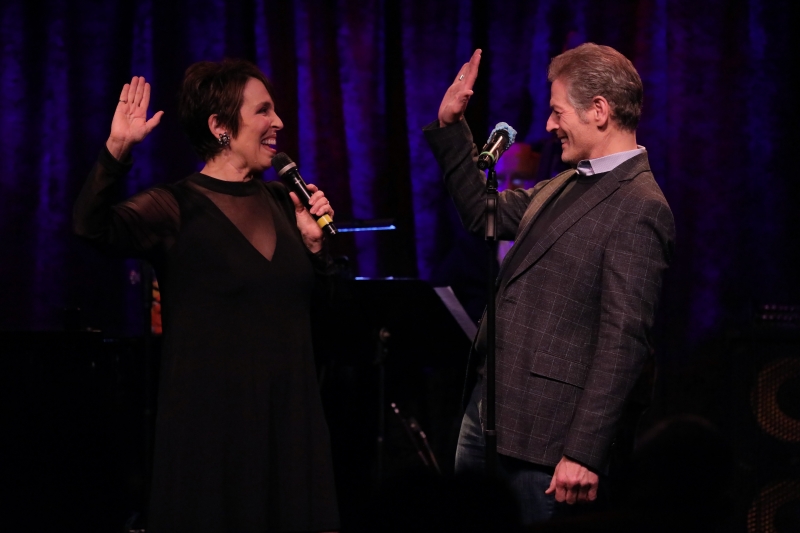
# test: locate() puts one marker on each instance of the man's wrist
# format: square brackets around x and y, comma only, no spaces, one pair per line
[443,124]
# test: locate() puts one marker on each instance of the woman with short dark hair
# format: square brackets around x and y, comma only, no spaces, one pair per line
[241,440]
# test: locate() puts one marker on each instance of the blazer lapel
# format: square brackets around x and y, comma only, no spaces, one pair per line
[596,194]
[555,186]
[535,207]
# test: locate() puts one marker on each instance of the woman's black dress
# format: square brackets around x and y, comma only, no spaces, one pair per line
[241,440]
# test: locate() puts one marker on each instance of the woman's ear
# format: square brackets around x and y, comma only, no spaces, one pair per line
[218,131]
[214,127]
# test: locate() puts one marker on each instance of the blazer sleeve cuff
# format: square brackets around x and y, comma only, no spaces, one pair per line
[454,134]
[589,450]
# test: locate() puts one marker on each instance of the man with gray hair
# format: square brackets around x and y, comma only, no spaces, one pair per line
[578,292]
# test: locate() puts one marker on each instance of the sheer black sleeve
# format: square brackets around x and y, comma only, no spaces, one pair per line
[142,226]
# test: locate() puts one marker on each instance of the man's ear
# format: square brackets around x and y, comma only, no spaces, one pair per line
[600,111]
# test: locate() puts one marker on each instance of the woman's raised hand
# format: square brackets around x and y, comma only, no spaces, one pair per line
[130,125]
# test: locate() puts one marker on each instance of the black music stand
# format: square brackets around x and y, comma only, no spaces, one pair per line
[392,322]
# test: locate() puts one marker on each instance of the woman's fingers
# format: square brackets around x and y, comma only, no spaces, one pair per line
[131,96]
[127,97]
[146,96]
[298,205]
[154,121]
[320,205]
[123,96]
[322,208]
[137,98]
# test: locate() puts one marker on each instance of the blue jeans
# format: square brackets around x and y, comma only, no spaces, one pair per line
[527,480]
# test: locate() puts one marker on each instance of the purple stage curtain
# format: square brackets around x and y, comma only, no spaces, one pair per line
[355,82]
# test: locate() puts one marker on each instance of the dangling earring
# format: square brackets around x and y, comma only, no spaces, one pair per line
[224,139]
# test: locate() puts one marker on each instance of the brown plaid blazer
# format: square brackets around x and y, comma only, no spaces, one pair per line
[573,321]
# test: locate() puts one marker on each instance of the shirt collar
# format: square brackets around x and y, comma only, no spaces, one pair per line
[589,167]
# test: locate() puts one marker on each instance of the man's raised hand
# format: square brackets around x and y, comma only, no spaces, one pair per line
[455,100]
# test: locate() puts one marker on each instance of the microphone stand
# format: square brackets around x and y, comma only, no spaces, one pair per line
[490,433]
[380,361]
[147,303]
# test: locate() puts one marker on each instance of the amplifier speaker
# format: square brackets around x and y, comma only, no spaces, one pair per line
[766,427]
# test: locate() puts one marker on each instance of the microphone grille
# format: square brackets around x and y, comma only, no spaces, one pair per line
[511,132]
[280,161]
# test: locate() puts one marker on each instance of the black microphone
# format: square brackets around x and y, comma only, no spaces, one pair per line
[287,172]
[501,138]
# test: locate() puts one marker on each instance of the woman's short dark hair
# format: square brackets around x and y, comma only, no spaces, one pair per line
[591,70]
[215,88]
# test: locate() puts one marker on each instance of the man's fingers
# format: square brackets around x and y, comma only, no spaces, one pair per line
[558,486]
[575,493]
[475,60]
[469,70]
[456,98]
[561,492]
[583,493]
[573,483]
[571,495]
[462,73]
[459,103]
[552,486]
[472,68]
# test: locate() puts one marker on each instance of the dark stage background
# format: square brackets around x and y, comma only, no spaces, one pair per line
[355,82]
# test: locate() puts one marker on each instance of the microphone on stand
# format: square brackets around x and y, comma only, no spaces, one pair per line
[501,138]
[288,173]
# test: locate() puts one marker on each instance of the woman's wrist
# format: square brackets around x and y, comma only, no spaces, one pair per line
[314,245]
[119,148]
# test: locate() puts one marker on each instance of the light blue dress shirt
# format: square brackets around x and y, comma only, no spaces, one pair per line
[607,163]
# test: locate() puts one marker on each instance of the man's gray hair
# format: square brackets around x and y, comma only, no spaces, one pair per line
[591,70]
